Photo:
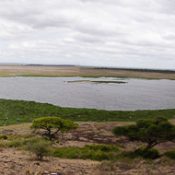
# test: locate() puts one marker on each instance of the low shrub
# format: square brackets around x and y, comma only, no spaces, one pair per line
[39,147]
[170,154]
[16,143]
[144,153]
[147,153]
[3,137]
[93,152]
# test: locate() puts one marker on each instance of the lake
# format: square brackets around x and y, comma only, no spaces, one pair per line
[119,94]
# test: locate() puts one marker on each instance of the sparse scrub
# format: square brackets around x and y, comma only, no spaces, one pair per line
[16,143]
[93,152]
[39,147]
[142,152]
[170,154]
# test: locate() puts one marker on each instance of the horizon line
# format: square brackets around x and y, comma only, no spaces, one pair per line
[89,66]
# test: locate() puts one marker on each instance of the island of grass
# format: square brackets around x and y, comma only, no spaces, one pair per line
[97,82]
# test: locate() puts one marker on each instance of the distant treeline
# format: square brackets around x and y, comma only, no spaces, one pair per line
[137,69]
[109,68]
[98,68]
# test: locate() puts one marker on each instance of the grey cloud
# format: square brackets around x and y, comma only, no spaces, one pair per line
[170,37]
[138,33]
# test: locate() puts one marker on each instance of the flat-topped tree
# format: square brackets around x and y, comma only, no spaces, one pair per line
[151,132]
[53,126]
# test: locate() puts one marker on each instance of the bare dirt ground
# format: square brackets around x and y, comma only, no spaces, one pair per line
[61,71]
[17,162]
[137,167]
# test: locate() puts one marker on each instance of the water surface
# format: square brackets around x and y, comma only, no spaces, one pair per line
[132,95]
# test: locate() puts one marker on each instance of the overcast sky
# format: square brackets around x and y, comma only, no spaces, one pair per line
[118,33]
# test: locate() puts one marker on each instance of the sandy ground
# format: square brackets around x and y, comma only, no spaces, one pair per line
[59,71]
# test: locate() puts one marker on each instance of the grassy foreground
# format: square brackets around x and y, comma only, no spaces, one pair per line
[16,111]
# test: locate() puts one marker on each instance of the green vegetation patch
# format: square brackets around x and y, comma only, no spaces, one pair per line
[42,147]
[151,132]
[16,111]
[39,147]
[143,153]
[170,154]
[16,141]
[93,152]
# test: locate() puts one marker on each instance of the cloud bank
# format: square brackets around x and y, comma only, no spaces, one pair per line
[115,33]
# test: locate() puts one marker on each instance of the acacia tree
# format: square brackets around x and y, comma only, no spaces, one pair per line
[151,132]
[53,126]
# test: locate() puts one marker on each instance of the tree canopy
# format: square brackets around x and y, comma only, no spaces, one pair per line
[152,131]
[53,126]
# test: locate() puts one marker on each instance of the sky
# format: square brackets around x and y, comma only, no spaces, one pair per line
[108,33]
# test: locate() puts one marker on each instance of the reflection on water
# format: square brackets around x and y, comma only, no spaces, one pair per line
[135,94]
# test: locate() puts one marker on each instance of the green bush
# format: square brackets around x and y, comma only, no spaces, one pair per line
[104,148]
[18,142]
[144,153]
[152,131]
[93,152]
[39,147]
[170,154]
[147,153]
[3,137]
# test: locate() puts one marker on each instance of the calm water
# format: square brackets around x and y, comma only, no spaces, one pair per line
[135,94]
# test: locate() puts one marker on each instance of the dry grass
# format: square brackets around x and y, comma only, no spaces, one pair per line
[18,129]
